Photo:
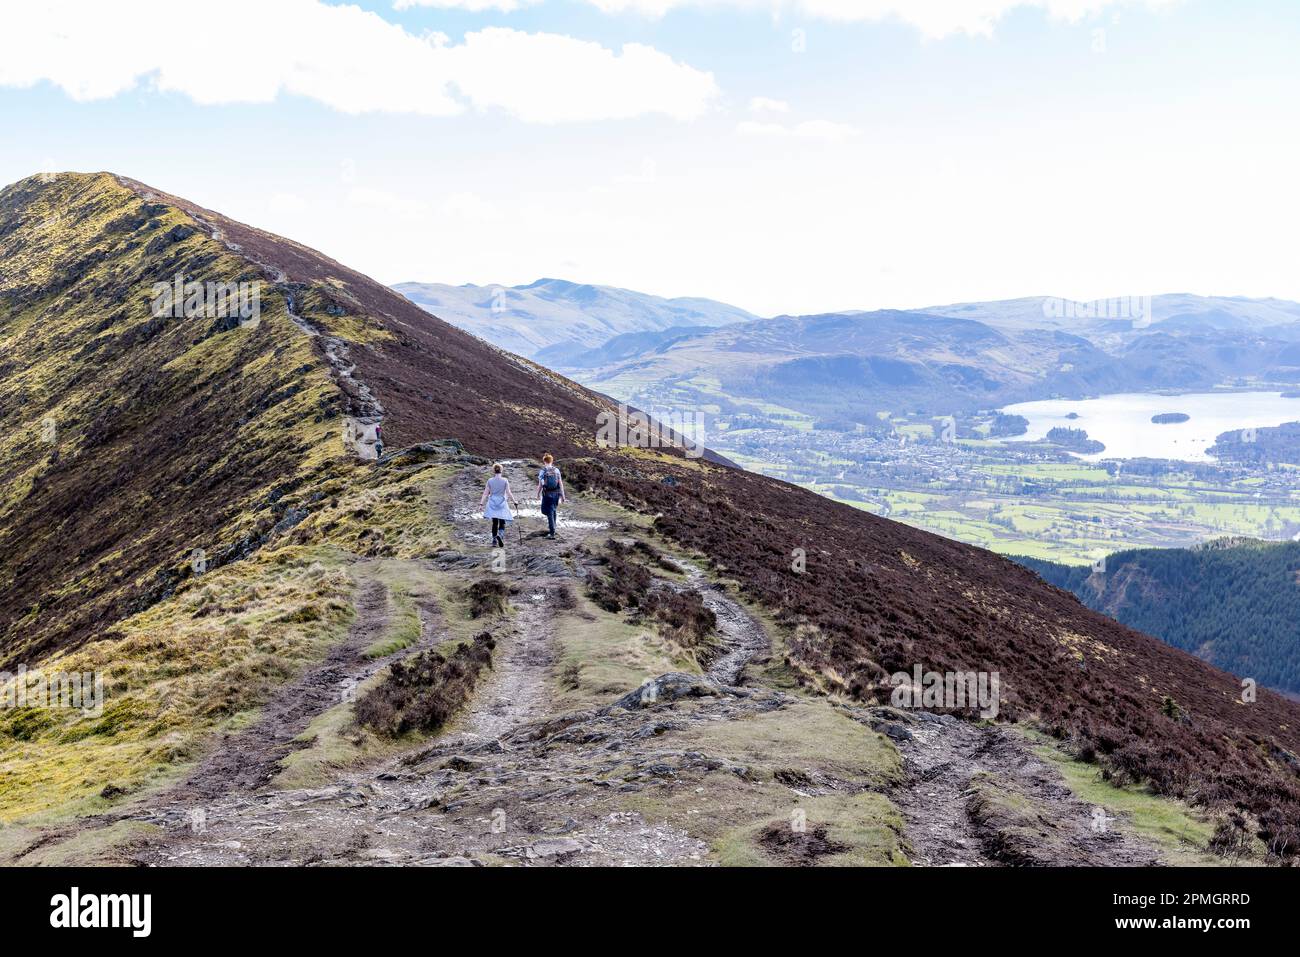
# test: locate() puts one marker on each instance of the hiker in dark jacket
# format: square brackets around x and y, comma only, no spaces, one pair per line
[550,489]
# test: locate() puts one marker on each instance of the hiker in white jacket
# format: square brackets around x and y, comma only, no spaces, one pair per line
[497,499]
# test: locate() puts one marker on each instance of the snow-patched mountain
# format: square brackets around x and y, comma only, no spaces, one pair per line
[560,314]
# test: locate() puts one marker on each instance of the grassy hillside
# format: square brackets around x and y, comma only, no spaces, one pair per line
[133,441]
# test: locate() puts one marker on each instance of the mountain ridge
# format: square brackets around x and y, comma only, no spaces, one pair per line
[949,360]
[560,314]
[870,598]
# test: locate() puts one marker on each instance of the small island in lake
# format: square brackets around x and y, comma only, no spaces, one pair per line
[1165,418]
[1004,426]
[1073,415]
[1074,440]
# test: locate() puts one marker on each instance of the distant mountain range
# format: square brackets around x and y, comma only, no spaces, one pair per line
[856,364]
[1234,603]
[851,364]
[947,360]
[559,317]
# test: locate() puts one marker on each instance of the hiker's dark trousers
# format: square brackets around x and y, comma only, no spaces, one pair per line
[550,508]
[498,526]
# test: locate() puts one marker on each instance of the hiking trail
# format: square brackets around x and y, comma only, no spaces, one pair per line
[516,778]
[956,771]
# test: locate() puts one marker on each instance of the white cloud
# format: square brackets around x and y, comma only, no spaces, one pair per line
[934,18]
[764,104]
[649,173]
[459,205]
[347,58]
[472,6]
[548,78]
[823,130]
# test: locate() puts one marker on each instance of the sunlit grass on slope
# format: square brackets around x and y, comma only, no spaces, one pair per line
[202,660]
[81,354]
[206,659]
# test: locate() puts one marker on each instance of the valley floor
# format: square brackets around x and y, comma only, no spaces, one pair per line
[596,739]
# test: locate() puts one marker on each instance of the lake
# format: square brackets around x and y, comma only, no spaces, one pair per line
[1123,422]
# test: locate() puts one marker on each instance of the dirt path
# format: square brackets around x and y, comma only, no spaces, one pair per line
[514,693]
[534,567]
[965,796]
[528,530]
[742,637]
[507,780]
[247,760]
[514,780]
[511,779]
[940,763]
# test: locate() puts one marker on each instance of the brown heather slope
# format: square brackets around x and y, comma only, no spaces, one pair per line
[164,435]
[879,597]
[433,379]
[876,597]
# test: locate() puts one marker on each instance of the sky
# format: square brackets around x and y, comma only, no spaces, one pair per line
[786,156]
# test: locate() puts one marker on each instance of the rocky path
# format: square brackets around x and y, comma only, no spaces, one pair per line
[513,780]
[515,692]
[966,792]
[510,779]
[744,638]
